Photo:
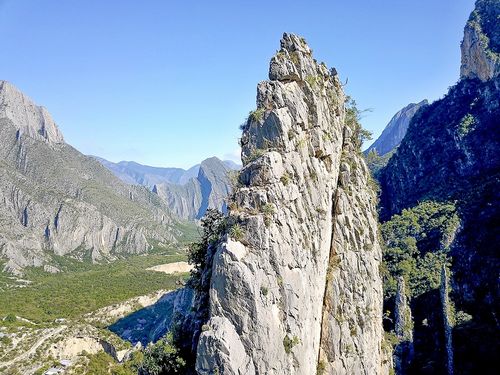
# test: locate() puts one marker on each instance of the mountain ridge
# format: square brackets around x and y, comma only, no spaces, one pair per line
[395,130]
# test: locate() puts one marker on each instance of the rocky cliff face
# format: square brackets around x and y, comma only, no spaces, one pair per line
[28,118]
[481,44]
[56,201]
[396,129]
[295,286]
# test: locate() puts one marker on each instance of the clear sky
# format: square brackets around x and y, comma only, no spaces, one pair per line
[167,83]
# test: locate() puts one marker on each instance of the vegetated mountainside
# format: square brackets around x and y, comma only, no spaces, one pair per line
[449,158]
[188,193]
[288,282]
[395,130]
[56,201]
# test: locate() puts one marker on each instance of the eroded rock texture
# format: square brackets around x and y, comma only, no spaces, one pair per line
[295,286]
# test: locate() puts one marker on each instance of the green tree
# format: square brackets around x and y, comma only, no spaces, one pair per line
[213,226]
[416,245]
[162,358]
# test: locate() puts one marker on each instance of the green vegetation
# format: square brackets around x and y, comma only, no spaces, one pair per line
[289,343]
[320,370]
[234,179]
[236,232]
[312,81]
[102,363]
[302,143]
[285,179]
[416,246]
[294,56]
[256,153]
[85,287]
[162,358]
[213,226]
[352,120]
[257,115]
[466,125]
[264,290]
[268,210]
[375,162]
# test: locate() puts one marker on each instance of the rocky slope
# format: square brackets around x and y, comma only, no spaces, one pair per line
[450,153]
[294,287]
[395,130]
[56,201]
[188,193]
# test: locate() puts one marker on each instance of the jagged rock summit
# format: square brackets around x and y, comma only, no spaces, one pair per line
[29,118]
[481,44]
[295,285]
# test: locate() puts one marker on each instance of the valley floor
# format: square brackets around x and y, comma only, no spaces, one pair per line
[59,320]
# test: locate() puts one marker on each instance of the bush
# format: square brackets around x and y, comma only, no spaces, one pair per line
[257,115]
[162,358]
[236,232]
[285,179]
[268,211]
[264,290]
[255,154]
[213,226]
[466,125]
[352,120]
[289,343]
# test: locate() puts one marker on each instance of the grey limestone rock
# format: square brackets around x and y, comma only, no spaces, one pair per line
[299,290]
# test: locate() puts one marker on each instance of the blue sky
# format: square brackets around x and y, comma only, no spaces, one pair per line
[167,83]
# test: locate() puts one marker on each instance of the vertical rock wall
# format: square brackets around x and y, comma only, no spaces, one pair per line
[295,287]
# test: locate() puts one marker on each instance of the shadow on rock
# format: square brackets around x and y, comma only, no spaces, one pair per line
[151,323]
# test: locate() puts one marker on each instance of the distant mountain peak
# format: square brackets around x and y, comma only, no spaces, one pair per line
[394,132]
[30,119]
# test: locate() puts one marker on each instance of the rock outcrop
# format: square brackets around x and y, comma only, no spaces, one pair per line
[394,132]
[29,119]
[481,44]
[444,292]
[55,201]
[403,327]
[295,285]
